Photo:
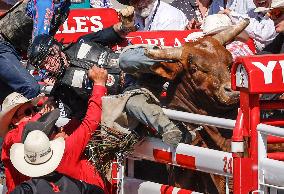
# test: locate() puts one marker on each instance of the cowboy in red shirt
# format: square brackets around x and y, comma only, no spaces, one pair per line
[17,111]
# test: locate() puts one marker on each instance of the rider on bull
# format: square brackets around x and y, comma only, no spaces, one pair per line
[71,63]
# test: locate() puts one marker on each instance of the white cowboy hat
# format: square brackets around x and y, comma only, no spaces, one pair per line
[274,4]
[37,156]
[216,23]
[9,107]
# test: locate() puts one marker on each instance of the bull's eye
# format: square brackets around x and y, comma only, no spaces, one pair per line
[190,59]
[192,69]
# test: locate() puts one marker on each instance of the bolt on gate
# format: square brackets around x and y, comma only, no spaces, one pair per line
[252,168]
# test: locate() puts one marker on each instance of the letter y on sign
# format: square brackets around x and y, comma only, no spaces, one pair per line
[267,70]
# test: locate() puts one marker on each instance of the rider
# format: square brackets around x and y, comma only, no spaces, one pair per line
[64,64]
[70,64]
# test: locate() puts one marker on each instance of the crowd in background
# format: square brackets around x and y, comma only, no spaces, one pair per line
[43,143]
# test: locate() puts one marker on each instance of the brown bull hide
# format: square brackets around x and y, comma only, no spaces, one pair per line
[207,63]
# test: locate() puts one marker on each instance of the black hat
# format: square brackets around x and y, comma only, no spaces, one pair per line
[124,2]
[39,48]
[46,124]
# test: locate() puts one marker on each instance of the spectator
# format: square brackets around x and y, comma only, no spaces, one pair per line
[101,4]
[216,23]
[38,158]
[261,28]
[276,13]
[239,6]
[16,112]
[197,10]
[156,15]
[75,163]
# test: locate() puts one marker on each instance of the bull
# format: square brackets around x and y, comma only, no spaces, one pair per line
[201,84]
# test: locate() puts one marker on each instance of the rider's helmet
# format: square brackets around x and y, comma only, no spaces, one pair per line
[40,48]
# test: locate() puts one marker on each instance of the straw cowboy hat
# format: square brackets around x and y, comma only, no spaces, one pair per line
[274,4]
[37,156]
[216,23]
[9,107]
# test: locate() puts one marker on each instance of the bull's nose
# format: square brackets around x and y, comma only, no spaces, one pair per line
[228,90]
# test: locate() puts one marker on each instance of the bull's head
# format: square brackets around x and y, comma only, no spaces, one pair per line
[205,61]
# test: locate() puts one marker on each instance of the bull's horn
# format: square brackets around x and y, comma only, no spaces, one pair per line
[229,34]
[164,54]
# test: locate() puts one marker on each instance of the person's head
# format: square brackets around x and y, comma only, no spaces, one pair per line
[37,156]
[142,7]
[16,109]
[24,113]
[45,53]
[276,13]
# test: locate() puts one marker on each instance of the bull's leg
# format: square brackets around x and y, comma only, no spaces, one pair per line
[151,114]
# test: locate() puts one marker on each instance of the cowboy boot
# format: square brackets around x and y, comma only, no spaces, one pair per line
[172,136]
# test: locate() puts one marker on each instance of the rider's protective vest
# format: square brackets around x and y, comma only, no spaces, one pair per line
[73,87]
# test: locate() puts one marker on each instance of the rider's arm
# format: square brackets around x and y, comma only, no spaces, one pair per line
[116,33]
[107,36]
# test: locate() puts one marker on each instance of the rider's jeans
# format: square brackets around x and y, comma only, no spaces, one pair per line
[148,113]
[13,76]
[132,61]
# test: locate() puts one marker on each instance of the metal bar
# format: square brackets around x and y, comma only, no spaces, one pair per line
[272,139]
[272,171]
[276,156]
[136,186]
[188,156]
[274,122]
[271,130]
[200,119]
[218,122]
[271,104]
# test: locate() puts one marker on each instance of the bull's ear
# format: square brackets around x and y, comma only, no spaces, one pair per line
[167,70]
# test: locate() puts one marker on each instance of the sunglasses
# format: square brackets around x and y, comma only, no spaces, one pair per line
[276,13]
[28,112]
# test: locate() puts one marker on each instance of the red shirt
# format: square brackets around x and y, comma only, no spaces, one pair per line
[73,163]
[13,176]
